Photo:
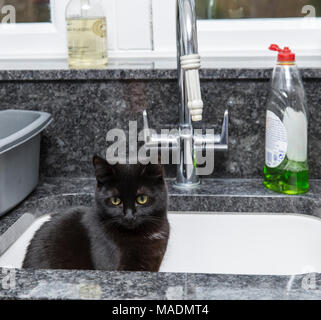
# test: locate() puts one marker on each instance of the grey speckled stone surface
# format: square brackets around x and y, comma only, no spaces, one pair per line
[54,194]
[85,104]
[89,103]
[44,284]
[136,73]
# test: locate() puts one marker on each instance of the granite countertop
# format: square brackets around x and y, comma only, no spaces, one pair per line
[150,69]
[219,195]
[144,74]
[227,196]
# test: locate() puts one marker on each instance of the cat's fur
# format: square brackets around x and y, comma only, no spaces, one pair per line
[128,237]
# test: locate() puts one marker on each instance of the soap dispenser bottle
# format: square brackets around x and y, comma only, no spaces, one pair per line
[286,148]
[87,34]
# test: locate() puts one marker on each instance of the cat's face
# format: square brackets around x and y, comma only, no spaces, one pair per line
[130,196]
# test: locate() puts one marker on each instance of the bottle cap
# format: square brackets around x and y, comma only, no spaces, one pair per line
[285,55]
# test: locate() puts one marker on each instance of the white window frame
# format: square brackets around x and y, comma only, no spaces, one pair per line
[129,35]
[36,40]
[147,29]
[252,37]
[238,38]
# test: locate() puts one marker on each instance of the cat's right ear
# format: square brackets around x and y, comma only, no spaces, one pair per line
[103,170]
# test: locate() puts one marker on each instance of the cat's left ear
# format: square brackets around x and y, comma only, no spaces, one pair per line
[103,170]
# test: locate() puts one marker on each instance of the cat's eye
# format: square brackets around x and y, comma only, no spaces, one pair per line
[115,201]
[142,199]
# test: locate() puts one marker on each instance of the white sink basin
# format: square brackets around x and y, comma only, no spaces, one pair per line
[227,244]
[244,244]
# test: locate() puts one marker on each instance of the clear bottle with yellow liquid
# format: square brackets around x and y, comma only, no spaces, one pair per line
[87,34]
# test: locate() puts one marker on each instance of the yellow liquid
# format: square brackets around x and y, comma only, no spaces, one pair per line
[87,43]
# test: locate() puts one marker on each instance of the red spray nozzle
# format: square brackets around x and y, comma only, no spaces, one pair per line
[275,47]
[285,54]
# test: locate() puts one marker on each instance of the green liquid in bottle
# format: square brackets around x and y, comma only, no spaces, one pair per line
[289,177]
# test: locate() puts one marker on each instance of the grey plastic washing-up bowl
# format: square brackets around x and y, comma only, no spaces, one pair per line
[19,154]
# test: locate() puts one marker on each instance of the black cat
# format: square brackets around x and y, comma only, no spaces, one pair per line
[127,230]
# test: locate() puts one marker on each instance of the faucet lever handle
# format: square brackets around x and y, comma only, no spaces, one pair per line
[224,134]
[154,140]
[147,133]
[221,141]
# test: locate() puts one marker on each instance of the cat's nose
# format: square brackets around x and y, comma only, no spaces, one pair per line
[129,215]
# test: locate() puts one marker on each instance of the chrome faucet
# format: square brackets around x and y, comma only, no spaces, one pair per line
[186,141]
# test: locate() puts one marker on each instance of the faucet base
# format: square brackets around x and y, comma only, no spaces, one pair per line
[182,185]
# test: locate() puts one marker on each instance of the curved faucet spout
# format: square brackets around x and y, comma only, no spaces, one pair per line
[187,27]
[189,144]
[187,46]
